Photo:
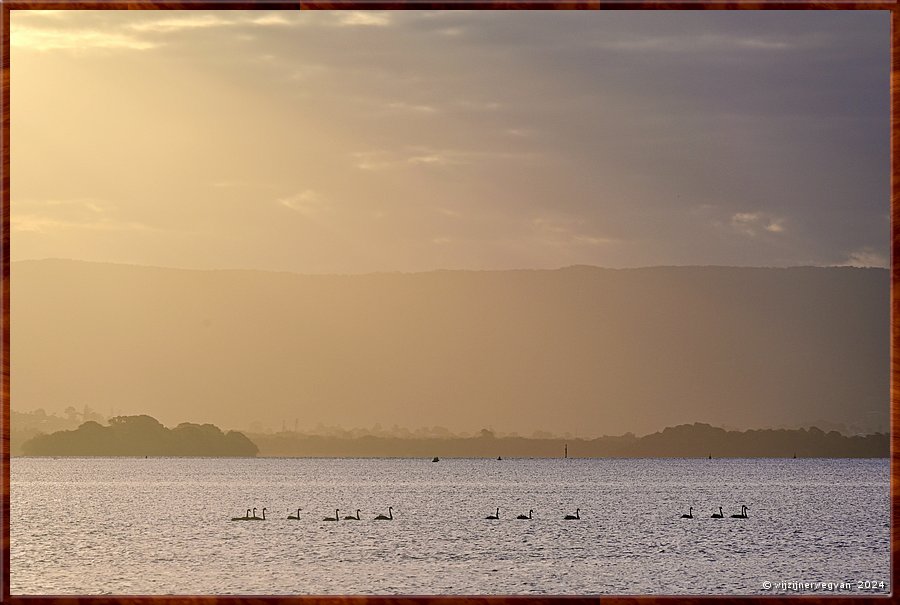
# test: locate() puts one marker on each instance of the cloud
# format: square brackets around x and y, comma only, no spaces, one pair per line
[271,19]
[210,20]
[54,38]
[865,257]
[589,240]
[384,160]
[307,203]
[364,18]
[49,216]
[47,34]
[426,109]
[173,24]
[42,14]
[566,232]
[452,31]
[305,72]
[752,224]
[763,44]
[44,39]
[433,159]
[372,160]
[421,109]
[419,156]
[696,44]
[480,105]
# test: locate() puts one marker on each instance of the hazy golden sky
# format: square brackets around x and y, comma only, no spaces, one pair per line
[349,142]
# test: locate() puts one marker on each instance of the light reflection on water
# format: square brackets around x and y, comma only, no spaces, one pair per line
[162,525]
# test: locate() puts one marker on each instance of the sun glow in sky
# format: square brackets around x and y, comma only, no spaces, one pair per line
[351,142]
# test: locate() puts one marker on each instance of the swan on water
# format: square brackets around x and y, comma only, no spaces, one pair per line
[690,514]
[244,518]
[335,517]
[496,516]
[297,518]
[575,516]
[255,518]
[352,518]
[743,514]
[718,515]
[390,515]
[524,517]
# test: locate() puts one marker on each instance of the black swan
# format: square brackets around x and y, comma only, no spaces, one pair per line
[390,515]
[743,514]
[255,518]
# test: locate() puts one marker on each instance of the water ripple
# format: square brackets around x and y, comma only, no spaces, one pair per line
[162,526]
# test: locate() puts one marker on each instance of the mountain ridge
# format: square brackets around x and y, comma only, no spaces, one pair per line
[599,350]
[577,266]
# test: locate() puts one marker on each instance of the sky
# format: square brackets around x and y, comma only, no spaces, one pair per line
[357,142]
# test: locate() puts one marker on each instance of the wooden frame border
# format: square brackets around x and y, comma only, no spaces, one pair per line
[885,5]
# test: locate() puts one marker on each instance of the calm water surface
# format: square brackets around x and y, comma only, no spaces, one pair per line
[162,525]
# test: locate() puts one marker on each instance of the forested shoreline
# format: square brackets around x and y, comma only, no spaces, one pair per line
[696,440]
[141,436]
[145,436]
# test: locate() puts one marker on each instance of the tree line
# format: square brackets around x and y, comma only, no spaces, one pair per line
[141,436]
[696,440]
[145,436]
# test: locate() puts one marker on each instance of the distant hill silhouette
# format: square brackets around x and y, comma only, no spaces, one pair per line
[580,349]
[140,436]
[684,441]
[25,425]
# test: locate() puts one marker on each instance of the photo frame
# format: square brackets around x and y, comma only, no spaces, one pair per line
[890,6]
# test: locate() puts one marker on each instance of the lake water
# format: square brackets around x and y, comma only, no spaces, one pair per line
[162,525]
